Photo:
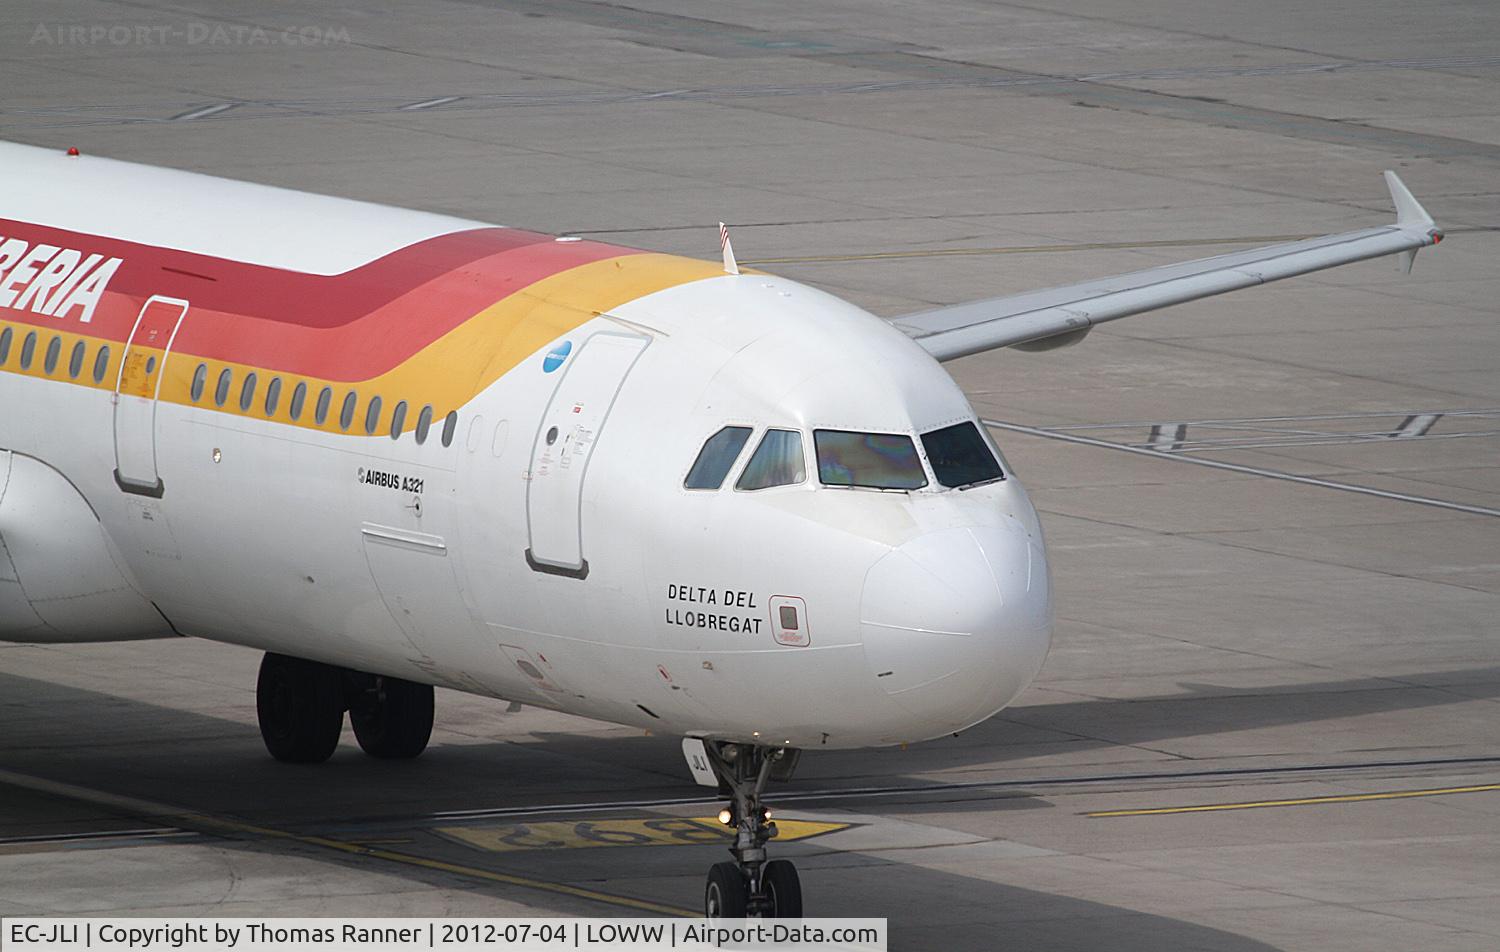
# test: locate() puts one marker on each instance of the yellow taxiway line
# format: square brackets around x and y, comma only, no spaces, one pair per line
[191,820]
[457,869]
[1300,802]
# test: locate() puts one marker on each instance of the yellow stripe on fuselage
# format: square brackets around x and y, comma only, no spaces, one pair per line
[447,373]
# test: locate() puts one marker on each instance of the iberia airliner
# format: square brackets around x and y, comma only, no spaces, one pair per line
[394,450]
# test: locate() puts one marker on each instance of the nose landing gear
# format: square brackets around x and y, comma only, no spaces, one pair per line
[750,886]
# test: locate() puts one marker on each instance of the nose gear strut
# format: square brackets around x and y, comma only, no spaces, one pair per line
[751,886]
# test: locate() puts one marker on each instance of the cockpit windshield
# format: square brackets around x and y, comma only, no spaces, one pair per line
[777,462]
[960,456]
[716,458]
[868,460]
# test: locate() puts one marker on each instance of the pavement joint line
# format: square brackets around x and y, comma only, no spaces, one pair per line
[1105,83]
[856,793]
[1316,417]
[1047,249]
[190,820]
[1032,249]
[1348,439]
[1298,802]
[160,832]
[1247,470]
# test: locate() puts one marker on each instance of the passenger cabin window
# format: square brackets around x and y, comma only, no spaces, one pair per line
[372,415]
[5,337]
[221,389]
[325,400]
[101,364]
[450,427]
[868,460]
[299,399]
[75,361]
[346,415]
[247,392]
[424,423]
[28,350]
[778,461]
[200,380]
[398,420]
[960,457]
[717,458]
[273,395]
[54,351]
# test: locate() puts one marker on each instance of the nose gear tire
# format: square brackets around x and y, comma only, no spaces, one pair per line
[783,889]
[727,894]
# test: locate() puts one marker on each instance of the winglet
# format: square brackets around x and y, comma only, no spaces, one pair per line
[1408,210]
[730,265]
[1410,214]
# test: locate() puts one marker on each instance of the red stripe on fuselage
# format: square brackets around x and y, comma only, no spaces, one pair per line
[279,294]
[348,326]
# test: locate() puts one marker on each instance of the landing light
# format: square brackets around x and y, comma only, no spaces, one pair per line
[726,817]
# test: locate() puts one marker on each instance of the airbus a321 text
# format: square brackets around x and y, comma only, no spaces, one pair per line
[394,450]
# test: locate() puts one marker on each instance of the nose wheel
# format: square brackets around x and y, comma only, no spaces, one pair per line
[751,886]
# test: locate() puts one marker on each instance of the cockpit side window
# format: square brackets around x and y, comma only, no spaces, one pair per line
[778,461]
[960,456]
[717,458]
[868,460]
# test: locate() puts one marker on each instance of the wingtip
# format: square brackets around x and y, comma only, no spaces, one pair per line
[1409,212]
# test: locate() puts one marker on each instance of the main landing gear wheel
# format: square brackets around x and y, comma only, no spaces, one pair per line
[300,705]
[750,886]
[392,718]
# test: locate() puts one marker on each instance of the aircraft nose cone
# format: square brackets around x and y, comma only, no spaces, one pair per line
[957,622]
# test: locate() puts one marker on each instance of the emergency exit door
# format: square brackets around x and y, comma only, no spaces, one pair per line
[571,426]
[136,390]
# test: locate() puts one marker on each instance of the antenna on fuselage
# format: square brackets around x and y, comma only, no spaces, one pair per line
[730,265]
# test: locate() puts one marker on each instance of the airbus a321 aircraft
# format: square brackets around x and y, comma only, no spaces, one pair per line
[394,450]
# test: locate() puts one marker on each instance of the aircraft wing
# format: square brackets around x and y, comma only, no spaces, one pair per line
[1056,317]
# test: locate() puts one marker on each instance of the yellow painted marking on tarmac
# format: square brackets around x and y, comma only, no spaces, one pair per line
[474,872]
[1033,249]
[457,869]
[124,842]
[1301,802]
[586,834]
[204,823]
[354,849]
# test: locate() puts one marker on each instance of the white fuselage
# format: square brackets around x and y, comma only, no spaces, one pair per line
[551,554]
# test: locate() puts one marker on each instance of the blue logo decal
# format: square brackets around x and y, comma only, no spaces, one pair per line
[556,356]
